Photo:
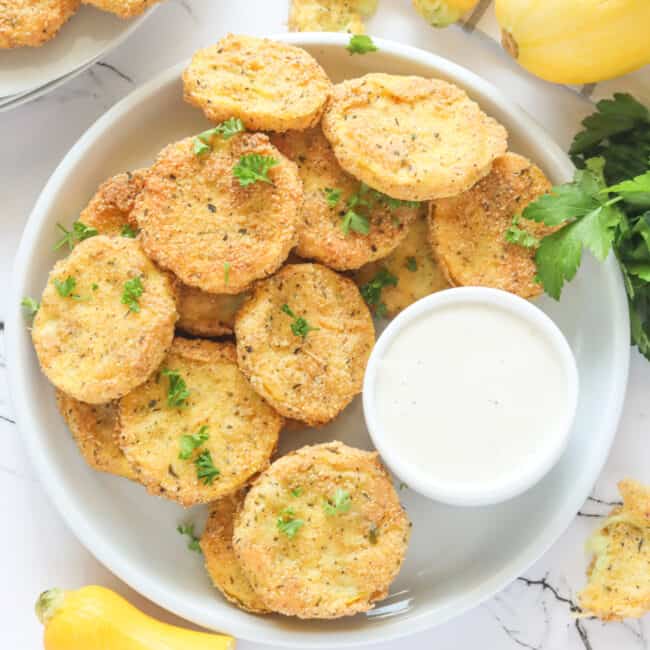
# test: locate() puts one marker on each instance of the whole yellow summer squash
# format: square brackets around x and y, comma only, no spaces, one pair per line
[441,13]
[95,618]
[576,41]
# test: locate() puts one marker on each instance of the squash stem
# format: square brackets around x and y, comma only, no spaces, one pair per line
[48,603]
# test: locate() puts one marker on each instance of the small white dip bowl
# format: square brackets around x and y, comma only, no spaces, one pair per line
[470,395]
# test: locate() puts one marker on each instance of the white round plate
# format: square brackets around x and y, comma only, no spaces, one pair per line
[458,557]
[88,36]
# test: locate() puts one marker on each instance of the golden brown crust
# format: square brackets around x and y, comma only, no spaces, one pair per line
[330,15]
[207,314]
[32,22]
[312,378]
[93,429]
[221,562]
[410,137]
[468,231]
[123,8]
[270,86]
[320,236]
[619,574]
[196,218]
[89,344]
[336,564]
[412,264]
[243,430]
[109,211]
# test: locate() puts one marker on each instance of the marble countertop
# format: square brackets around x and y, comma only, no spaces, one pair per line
[37,549]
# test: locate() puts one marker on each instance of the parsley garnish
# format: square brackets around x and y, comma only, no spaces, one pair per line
[516,235]
[226,273]
[411,264]
[132,291]
[339,503]
[300,326]
[79,232]
[192,441]
[31,306]
[288,524]
[332,196]
[177,393]
[227,129]
[296,492]
[371,291]
[193,540]
[253,167]
[361,44]
[94,286]
[354,221]
[66,287]
[129,231]
[205,469]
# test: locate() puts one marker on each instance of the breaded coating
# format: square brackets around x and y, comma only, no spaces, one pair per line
[242,430]
[468,231]
[410,137]
[93,428]
[207,314]
[122,8]
[412,264]
[320,235]
[310,378]
[32,22]
[270,86]
[199,222]
[330,15]
[322,533]
[109,211]
[90,343]
[619,574]
[221,562]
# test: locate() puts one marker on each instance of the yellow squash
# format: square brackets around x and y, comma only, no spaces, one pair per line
[576,41]
[441,13]
[92,617]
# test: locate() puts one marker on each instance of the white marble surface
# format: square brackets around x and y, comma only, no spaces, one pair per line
[37,550]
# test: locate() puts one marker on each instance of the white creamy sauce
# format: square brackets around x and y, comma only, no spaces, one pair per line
[469,391]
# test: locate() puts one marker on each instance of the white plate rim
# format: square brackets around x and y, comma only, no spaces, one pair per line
[147,586]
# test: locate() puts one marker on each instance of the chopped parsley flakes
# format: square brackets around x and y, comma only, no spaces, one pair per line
[177,392]
[288,524]
[132,291]
[517,235]
[411,264]
[371,291]
[332,196]
[299,326]
[129,231]
[361,44]
[253,167]
[226,130]
[339,503]
[205,469]
[65,288]
[193,540]
[79,232]
[31,306]
[192,441]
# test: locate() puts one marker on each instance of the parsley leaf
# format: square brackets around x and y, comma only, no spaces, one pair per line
[79,232]
[177,393]
[66,287]
[192,441]
[516,235]
[205,469]
[411,264]
[361,44]
[227,129]
[288,524]
[253,167]
[296,492]
[31,306]
[129,231]
[193,540]
[339,503]
[371,291]
[300,326]
[332,196]
[132,291]
[354,221]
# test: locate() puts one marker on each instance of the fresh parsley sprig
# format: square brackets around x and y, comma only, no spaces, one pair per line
[177,393]
[205,469]
[288,524]
[371,291]
[79,232]
[299,326]
[192,441]
[66,287]
[193,540]
[253,168]
[132,291]
[30,305]
[340,503]
[129,231]
[361,44]
[225,130]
